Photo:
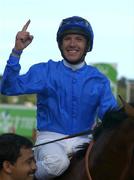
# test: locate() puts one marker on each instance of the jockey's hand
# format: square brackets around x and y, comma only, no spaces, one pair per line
[23,38]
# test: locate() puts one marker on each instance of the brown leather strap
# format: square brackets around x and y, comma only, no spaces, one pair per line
[86,160]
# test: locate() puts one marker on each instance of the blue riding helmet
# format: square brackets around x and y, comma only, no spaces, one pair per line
[76,25]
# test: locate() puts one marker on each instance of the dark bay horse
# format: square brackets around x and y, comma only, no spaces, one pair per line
[112,155]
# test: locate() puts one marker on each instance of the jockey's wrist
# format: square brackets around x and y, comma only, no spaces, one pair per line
[16,53]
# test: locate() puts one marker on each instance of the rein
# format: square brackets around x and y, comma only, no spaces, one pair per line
[86,160]
[66,137]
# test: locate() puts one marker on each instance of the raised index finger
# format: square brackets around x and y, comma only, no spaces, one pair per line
[26,25]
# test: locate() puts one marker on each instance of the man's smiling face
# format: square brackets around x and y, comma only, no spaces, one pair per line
[73,47]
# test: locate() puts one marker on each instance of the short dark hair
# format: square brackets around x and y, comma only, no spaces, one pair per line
[10,146]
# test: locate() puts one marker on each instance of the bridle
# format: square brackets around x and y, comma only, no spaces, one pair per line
[86,160]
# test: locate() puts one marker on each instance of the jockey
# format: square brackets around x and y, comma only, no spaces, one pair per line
[70,93]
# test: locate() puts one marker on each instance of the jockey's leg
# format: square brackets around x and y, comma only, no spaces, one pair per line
[51,160]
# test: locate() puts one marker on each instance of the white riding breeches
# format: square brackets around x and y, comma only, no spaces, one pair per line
[53,159]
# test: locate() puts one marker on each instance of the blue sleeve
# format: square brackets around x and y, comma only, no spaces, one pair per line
[15,84]
[107,100]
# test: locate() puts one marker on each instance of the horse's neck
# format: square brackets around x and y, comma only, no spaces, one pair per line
[107,159]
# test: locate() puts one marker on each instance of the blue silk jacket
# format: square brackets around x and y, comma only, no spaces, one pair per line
[67,101]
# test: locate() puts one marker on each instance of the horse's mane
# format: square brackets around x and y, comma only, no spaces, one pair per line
[112,119]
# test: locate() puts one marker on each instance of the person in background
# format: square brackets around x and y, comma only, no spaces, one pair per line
[16,158]
[70,93]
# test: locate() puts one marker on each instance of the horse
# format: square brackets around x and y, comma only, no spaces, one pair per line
[110,155]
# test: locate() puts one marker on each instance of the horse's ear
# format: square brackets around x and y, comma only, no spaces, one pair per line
[128,108]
